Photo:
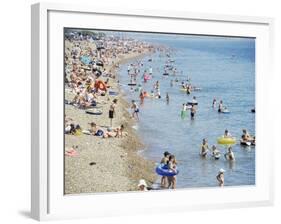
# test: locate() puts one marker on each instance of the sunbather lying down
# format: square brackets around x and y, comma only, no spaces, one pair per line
[98,131]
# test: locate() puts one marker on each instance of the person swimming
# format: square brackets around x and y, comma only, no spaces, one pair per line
[246,137]
[226,134]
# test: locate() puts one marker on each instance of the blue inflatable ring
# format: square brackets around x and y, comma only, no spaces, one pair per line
[163,170]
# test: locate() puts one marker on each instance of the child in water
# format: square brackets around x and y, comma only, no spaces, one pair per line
[135,109]
[215,152]
[172,165]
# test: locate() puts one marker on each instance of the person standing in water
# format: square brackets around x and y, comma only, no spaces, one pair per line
[165,160]
[214,103]
[229,155]
[183,111]
[192,111]
[188,89]
[141,97]
[172,165]
[167,98]
[204,148]
[226,134]
[172,83]
[220,177]
[220,107]
[112,110]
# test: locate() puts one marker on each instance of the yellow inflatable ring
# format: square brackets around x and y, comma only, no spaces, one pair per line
[226,140]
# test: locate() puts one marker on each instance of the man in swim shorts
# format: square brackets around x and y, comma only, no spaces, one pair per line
[135,109]
[192,111]
[111,112]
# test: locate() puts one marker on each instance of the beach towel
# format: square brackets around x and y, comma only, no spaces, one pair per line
[85,60]
[71,152]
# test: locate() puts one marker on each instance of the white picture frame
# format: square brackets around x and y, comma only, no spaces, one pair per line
[48,201]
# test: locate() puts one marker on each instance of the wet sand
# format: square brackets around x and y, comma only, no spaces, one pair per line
[111,164]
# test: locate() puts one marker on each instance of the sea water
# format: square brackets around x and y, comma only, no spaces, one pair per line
[225,69]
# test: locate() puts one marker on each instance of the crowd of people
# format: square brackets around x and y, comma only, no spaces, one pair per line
[90,60]
[90,63]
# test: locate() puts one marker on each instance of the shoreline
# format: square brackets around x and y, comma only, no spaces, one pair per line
[121,166]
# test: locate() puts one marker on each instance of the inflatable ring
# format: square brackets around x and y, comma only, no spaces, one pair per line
[163,170]
[94,111]
[226,140]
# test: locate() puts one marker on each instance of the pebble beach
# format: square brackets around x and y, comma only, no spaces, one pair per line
[104,164]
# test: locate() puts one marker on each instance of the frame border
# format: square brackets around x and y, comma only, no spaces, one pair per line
[40,88]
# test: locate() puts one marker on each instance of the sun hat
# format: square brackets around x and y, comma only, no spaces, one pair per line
[142,183]
[222,170]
